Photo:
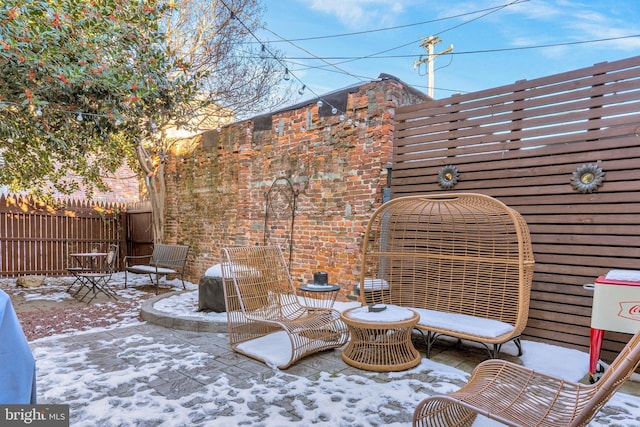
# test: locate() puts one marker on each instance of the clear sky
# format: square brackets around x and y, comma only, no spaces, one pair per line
[331,44]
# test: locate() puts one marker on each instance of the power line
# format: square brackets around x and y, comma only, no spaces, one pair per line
[377,54]
[265,50]
[377,30]
[314,56]
[468,52]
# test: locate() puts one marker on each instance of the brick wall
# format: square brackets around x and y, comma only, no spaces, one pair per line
[217,182]
[124,184]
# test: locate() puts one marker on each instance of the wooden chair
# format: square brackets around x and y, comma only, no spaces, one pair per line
[262,306]
[517,396]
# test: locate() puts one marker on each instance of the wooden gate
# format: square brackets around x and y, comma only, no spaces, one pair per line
[564,151]
[139,231]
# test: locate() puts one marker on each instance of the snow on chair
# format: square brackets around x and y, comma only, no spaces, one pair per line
[165,260]
[266,320]
[517,396]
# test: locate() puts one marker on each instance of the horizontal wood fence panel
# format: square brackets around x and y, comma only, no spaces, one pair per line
[35,238]
[541,155]
[609,71]
[524,144]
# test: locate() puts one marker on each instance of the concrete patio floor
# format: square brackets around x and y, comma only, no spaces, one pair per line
[111,373]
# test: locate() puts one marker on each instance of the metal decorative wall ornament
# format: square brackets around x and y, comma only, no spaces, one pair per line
[448,177]
[587,178]
[279,216]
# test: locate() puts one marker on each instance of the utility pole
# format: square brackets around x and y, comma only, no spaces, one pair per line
[428,44]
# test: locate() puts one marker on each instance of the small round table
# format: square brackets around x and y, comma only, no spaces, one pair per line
[381,341]
[319,296]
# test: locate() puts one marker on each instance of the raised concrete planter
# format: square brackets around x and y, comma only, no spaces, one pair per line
[160,318]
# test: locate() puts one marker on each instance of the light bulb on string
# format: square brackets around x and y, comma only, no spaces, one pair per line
[286,76]
[39,111]
[79,117]
[263,52]
[301,91]
[320,103]
[341,117]
[334,110]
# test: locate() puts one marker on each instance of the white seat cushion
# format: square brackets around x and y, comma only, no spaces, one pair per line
[145,269]
[478,326]
[375,284]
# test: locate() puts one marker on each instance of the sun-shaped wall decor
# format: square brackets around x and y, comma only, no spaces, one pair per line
[587,178]
[448,177]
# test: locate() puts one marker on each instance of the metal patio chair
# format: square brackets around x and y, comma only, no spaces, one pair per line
[73,265]
[97,280]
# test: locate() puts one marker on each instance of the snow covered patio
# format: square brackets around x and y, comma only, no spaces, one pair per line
[125,372]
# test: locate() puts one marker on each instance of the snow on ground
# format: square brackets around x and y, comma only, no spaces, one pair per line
[121,396]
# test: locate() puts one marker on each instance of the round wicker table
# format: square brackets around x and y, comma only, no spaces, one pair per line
[380,341]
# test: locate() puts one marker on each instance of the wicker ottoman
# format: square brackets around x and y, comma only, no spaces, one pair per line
[380,341]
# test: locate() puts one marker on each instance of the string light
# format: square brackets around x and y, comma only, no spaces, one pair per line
[79,115]
[265,50]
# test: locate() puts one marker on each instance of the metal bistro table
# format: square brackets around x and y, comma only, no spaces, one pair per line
[319,296]
[89,261]
[381,341]
[93,275]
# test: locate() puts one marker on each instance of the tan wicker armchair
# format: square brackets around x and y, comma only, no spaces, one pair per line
[518,396]
[463,261]
[261,302]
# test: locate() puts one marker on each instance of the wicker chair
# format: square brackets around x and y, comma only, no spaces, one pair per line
[262,307]
[463,261]
[517,396]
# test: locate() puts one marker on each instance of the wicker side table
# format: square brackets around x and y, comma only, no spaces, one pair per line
[381,341]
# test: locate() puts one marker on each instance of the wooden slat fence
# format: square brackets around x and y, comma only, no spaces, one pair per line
[35,237]
[522,143]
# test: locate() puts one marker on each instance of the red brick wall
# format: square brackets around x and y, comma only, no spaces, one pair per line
[125,187]
[216,191]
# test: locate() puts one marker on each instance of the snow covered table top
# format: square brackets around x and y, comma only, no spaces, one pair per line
[392,313]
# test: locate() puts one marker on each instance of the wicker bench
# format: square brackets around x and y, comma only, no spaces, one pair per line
[165,259]
[463,261]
